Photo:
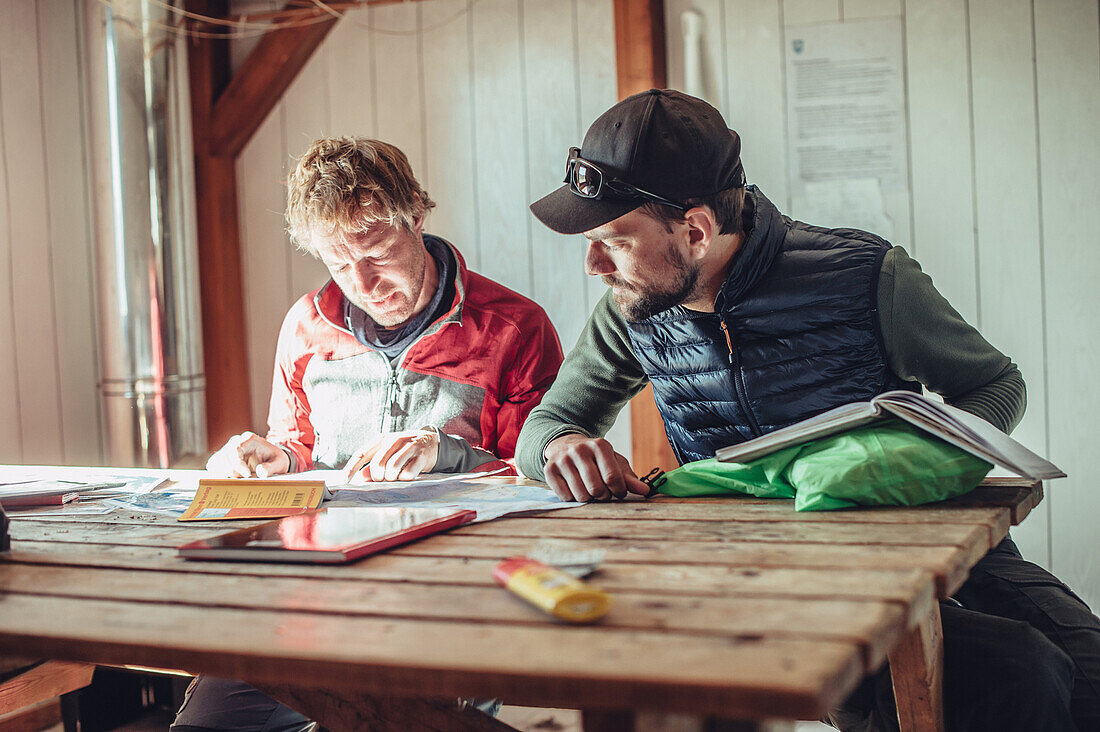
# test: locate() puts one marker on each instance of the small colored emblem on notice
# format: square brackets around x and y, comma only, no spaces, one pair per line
[798,45]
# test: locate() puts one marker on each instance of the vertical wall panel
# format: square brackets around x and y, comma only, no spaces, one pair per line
[1068,87]
[863,9]
[1010,265]
[306,106]
[597,90]
[398,79]
[11,436]
[501,143]
[351,71]
[31,254]
[265,257]
[940,149]
[754,49]
[448,124]
[559,282]
[798,12]
[70,233]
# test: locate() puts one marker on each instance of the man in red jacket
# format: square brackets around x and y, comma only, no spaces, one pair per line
[405,362]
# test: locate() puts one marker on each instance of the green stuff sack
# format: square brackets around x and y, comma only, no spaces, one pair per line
[888,463]
[762,477]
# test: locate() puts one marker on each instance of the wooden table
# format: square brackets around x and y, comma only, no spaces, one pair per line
[728,608]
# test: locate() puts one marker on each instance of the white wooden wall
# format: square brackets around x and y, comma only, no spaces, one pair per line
[485,98]
[1003,99]
[49,410]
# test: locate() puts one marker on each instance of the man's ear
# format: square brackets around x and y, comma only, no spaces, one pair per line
[418,224]
[701,229]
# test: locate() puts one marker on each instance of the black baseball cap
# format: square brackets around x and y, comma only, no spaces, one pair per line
[663,142]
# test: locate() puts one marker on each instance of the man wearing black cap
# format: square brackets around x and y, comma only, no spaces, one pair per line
[744,322]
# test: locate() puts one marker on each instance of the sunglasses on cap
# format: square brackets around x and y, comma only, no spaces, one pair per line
[587,180]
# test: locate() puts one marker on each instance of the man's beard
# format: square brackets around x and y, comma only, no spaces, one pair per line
[648,300]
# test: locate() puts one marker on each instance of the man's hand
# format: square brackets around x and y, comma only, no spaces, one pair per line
[248,454]
[396,456]
[580,468]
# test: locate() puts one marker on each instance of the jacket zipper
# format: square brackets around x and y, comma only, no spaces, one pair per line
[391,398]
[738,379]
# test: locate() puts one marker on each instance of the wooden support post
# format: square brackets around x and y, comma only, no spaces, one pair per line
[640,64]
[639,45]
[916,668]
[225,359]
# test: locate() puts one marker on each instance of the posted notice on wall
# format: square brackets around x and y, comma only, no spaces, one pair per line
[846,122]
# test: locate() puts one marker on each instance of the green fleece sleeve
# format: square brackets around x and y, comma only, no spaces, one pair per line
[599,376]
[928,341]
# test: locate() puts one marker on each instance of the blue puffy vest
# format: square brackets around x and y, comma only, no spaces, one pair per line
[795,333]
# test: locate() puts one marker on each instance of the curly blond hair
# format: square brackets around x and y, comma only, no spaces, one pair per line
[352,184]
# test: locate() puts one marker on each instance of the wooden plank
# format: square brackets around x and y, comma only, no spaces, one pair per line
[751,509]
[44,715]
[1019,499]
[43,682]
[916,671]
[839,532]
[559,666]
[639,45]
[671,579]
[1067,53]
[948,565]
[260,82]
[871,624]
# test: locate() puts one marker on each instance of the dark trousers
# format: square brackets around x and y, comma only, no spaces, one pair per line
[1022,653]
[223,705]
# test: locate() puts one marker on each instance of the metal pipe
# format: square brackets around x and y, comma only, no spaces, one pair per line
[152,385]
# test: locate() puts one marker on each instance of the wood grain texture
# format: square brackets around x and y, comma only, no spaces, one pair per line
[43,682]
[259,83]
[639,45]
[720,608]
[916,670]
[551,665]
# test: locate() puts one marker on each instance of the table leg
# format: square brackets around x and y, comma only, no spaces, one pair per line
[916,669]
[341,711]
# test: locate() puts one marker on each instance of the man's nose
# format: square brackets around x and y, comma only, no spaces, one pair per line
[366,280]
[596,261]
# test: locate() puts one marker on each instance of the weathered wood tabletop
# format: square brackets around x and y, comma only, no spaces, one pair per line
[729,608]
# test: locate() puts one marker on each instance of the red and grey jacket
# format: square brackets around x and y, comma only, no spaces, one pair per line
[475,374]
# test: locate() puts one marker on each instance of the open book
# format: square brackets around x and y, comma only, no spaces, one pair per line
[961,429]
